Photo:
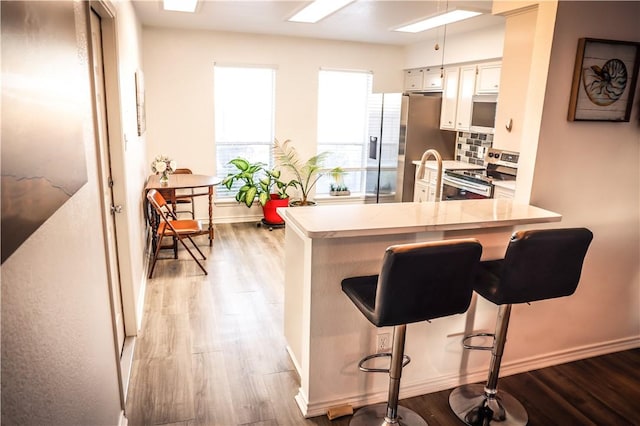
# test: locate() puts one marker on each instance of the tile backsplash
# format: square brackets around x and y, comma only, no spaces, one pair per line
[471,147]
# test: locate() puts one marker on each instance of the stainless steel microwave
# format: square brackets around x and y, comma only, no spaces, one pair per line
[483,113]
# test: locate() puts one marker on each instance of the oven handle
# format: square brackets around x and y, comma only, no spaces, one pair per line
[464,184]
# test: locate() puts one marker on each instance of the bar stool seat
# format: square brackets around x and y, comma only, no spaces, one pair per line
[538,265]
[417,282]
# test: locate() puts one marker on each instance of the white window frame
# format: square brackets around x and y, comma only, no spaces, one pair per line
[354,173]
[258,149]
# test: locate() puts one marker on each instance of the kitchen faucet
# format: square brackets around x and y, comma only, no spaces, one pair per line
[438,157]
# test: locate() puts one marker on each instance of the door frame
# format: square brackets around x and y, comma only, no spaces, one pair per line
[107,13]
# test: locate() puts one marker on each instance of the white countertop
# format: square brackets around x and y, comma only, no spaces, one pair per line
[335,221]
[449,165]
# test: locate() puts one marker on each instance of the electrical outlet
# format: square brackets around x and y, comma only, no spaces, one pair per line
[383,343]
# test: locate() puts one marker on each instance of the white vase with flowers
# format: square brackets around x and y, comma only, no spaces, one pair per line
[163,166]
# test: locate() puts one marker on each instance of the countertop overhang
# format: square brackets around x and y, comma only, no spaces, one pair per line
[338,221]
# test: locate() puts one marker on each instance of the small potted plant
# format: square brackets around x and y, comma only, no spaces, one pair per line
[338,187]
[262,184]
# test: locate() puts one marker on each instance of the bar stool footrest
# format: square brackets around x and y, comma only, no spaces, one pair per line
[477,347]
[405,360]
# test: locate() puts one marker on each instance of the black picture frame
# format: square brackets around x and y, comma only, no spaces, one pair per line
[604,80]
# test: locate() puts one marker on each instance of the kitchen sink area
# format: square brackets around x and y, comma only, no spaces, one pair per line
[478,172]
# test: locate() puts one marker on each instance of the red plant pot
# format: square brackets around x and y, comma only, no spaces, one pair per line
[269,210]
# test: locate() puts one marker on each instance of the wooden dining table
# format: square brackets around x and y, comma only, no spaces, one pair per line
[202,185]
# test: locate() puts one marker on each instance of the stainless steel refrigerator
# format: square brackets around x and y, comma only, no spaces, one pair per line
[401,129]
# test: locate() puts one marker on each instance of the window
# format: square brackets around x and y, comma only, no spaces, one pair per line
[343,97]
[244,100]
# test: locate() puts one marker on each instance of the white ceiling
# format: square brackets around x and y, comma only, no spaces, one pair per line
[368,21]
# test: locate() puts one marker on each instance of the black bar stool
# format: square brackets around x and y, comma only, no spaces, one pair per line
[417,282]
[538,265]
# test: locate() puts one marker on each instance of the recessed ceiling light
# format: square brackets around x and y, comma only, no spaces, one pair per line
[318,10]
[438,20]
[181,5]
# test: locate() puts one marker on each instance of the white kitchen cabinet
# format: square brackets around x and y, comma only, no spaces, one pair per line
[433,180]
[449,98]
[421,191]
[457,96]
[503,192]
[459,86]
[413,80]
[516,74]
[432,80]
[423,80]
[488,78]
[466,90]
[425,188]
[421,186]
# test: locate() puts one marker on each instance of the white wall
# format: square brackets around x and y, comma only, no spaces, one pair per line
[130,168]
[473,46]
[179,80]
[590,173]
[178,67]
[59,364]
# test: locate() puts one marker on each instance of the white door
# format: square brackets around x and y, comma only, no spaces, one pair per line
[106,182]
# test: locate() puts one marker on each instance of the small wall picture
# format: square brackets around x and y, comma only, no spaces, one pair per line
[604,80]
[140,107]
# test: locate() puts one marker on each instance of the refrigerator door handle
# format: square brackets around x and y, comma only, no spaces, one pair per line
[373,147]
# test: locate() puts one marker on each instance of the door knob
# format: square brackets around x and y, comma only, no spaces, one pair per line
[116,209]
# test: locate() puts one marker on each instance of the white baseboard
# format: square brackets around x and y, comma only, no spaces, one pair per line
[123,421]
[294,360]
[233,219]
[126,362]
[440,383]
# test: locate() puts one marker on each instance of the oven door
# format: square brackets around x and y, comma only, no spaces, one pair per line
[460,189]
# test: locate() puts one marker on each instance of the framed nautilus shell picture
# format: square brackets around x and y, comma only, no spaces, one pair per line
[604,80]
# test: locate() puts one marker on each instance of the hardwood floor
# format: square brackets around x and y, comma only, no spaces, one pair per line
[211,352]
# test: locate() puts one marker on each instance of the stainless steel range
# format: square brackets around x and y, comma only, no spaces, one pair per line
[477,184]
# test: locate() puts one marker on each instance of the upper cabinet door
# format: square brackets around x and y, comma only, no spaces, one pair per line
[449,98]
[423,80]
[488,78]
[413,80]
[432,80]
[465,97]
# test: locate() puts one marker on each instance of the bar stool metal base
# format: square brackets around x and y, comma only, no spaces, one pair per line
[473,407]
[374,415]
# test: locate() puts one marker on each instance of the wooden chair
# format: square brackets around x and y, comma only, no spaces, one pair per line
[184,199]
[171,226]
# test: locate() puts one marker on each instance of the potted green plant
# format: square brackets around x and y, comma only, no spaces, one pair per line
[338,187]
[306,173]
[259,183]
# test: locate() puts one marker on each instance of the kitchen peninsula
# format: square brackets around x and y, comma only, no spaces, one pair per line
[326,336]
